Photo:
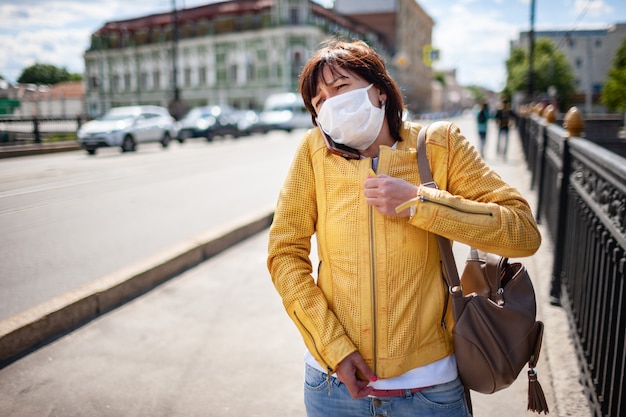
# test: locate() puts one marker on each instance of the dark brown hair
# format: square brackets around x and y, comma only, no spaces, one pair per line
[360,59]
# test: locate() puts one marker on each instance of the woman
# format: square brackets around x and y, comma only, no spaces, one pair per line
[481,122]
[377,321]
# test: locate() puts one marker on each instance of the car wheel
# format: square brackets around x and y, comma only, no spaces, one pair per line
[128,144]
[165,142]
[91,151]
[209,137]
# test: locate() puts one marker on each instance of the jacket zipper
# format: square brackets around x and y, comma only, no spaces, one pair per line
[373,283]
[329,370]
[428,200]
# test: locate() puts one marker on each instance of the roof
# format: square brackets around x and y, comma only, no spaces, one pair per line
[212,10]
[69,89]
[207,11]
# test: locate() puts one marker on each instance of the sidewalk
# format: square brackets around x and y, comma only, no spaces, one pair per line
[215,340]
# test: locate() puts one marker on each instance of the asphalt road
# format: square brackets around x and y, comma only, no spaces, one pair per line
[67,219]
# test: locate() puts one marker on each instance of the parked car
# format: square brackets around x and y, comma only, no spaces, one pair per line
[249,123]
[126,127]
[285,111]
[208,122]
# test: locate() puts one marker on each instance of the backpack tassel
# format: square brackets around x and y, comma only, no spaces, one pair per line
[536,398]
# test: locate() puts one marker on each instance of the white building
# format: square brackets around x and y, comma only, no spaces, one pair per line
[233,52]
[590,52]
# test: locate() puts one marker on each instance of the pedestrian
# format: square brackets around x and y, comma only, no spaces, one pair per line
[481,120]
[503,118]
[377,318]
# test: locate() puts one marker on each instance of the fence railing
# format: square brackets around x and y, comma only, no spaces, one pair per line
[582,197]
[23,130]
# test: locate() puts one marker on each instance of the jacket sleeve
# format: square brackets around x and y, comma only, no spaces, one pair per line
[472,205]
[290,266]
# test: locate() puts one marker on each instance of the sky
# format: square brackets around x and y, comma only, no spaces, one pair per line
[473,36]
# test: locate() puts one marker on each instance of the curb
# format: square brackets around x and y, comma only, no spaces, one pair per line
[11,151]
[27,331]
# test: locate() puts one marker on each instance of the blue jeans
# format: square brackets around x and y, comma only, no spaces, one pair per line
[444,400]
[502,145]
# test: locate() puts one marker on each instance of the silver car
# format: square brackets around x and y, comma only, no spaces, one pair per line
[126,127]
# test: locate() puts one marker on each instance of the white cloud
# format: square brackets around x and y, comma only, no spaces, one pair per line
[592,7]
[476,43]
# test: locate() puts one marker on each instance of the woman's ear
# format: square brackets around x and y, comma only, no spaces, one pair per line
[382,96]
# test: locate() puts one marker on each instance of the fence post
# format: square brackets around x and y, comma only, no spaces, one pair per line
[549,114]
[36,130]
[574,124]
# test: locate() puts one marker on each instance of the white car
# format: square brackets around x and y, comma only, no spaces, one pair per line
[126,127]
[285,111]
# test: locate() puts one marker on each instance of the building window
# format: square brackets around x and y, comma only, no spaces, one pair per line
[115,83]
[294,16]
[202,76]
[93,82]
[598,43]
[224,24]
[156,80]
[143,80]
[250,68]
[296,65]
[250,71]
[579,62]
[127,85]
[187,77]
[232,73]
[188,31]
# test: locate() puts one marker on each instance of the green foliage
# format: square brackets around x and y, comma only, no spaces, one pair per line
[75,76]
[43,74]
[550,68]
[440,77]
[478,92]
[614,91]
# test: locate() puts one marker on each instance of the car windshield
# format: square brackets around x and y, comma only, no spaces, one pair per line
[204,113]
[119,114]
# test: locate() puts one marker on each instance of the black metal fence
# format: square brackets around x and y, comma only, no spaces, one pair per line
[24,130]
[582,197]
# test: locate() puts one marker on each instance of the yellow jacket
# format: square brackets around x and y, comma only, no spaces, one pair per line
[379,286]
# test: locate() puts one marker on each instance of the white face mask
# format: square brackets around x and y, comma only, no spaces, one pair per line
[351,118]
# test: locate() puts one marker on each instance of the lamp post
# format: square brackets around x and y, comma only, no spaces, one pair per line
[531,52]
[175,106]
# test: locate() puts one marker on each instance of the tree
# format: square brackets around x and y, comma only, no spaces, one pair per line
[550,69]
[439,76]
[43,74]
[614,91]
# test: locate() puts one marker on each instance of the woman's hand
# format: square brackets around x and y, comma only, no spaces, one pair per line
[347,374]
[386,193]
